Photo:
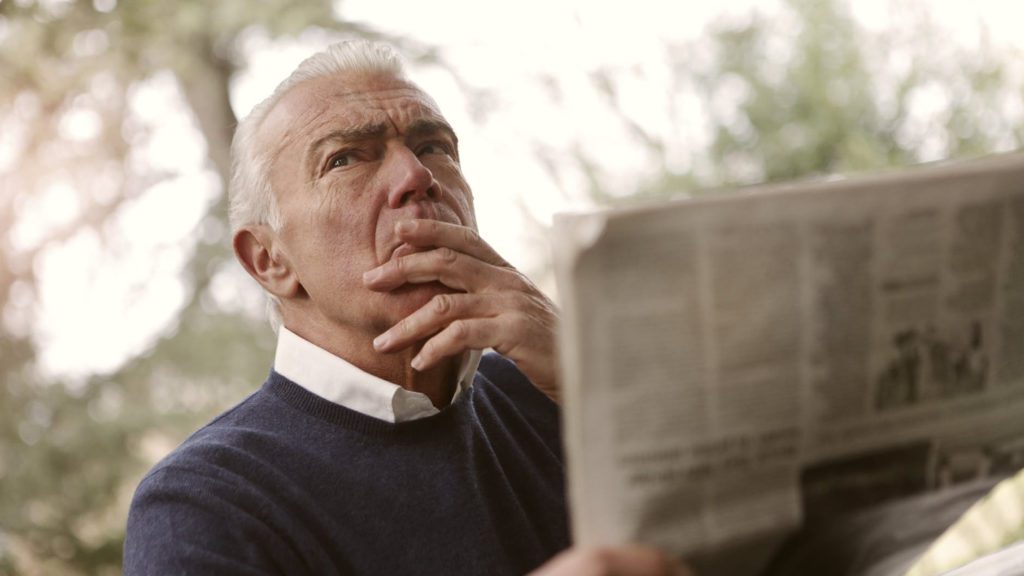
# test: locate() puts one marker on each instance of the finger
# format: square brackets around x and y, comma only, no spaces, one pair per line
[513,334]
[642,560]
[460,238]
[433,316]
[459,336]
[445,265]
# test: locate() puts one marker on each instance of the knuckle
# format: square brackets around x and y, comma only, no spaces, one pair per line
[459,330]
[514,282]
[443,304]
[447,255]
[470,236]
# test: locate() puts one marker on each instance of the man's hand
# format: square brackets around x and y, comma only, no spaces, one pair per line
[498,306]
[618,561]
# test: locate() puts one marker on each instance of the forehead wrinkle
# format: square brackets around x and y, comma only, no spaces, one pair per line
[357,100]
[373,90]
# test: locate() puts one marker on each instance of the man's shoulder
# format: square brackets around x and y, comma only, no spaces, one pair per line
[205,506]
[496,367]
[226,441]
[498,370]
[499,375]
[501,388]
[211,492]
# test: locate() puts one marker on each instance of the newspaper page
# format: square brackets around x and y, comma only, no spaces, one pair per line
[740,365]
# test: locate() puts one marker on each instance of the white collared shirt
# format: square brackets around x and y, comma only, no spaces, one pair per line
[338,381]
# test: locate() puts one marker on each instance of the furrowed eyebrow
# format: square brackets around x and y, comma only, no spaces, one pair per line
[426,127]
[354,134]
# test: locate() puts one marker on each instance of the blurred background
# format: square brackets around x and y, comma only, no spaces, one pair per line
[125,321]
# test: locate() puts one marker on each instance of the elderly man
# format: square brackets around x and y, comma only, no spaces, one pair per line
[381,442]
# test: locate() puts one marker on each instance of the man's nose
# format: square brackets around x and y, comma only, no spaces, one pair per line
[409,179]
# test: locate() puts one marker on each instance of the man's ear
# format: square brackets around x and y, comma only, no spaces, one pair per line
[254,248]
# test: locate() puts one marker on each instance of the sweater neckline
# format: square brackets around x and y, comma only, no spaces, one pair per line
[305,401]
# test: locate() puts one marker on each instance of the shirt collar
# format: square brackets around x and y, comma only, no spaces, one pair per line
[338,381]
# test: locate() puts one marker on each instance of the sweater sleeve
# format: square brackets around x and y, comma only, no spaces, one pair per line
[188,521]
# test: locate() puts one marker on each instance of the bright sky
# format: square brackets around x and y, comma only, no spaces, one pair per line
[135,293]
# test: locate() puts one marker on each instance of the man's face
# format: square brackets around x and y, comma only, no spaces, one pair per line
[352,155]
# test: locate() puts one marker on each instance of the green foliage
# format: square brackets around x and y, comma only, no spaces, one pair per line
[817,116]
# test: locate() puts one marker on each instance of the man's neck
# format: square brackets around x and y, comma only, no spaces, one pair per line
[437,383]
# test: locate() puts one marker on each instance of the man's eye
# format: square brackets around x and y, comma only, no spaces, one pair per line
[340,160]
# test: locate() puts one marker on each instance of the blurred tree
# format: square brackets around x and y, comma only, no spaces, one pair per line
[841,104]
[72,451]
[810,92]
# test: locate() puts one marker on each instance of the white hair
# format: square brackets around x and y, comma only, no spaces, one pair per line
[251,199]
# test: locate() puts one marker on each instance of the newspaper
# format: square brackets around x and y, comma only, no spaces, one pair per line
[739,365]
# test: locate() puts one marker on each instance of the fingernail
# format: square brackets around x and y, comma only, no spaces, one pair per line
[381,341]
[405,226]
[371,275]
[417,362]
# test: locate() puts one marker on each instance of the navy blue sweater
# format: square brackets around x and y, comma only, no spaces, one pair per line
[289,483]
